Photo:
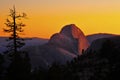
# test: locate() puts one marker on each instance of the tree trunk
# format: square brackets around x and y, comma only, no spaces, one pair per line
[14,32]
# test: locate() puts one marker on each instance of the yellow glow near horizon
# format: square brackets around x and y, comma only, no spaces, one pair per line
[46,17]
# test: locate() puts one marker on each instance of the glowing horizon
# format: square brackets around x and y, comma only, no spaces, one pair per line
[46,17]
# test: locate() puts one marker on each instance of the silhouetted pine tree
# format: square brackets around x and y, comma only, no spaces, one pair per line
[19,68]
[14,26]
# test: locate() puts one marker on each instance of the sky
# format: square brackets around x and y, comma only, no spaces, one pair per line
[46,17]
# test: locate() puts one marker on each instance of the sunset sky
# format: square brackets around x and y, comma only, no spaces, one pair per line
[46,17]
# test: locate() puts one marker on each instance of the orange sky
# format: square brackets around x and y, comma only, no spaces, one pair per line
[46,17]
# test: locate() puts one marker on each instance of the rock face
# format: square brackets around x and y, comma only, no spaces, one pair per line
[70,38]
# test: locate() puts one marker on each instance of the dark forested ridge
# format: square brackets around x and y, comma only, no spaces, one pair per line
[102,65]
[91,65]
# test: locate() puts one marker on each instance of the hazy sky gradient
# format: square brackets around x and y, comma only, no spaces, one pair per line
[49,16]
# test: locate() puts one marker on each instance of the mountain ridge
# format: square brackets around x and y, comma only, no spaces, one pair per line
[60,48]
[92,37]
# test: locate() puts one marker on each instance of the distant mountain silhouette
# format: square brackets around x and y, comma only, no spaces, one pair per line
[97,44]
[93,37]
[28,42]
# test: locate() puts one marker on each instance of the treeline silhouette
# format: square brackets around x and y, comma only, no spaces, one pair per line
[99,65]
